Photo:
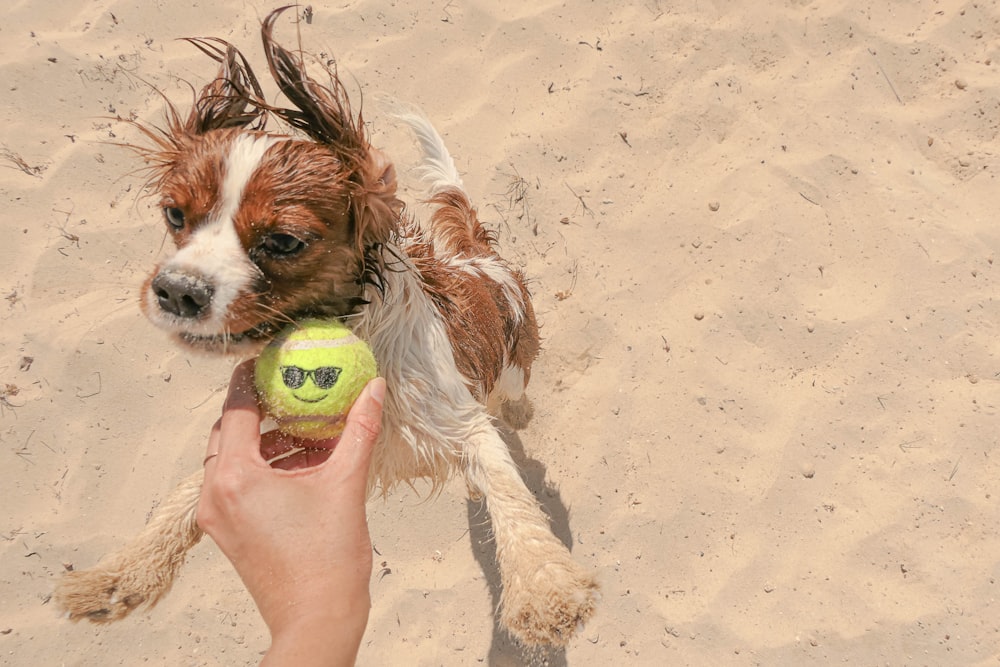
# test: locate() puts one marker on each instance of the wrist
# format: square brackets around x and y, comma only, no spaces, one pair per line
[327,635]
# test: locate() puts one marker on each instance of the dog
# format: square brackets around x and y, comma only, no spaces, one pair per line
[274,227]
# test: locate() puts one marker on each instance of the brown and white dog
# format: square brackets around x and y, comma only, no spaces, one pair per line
[274,227]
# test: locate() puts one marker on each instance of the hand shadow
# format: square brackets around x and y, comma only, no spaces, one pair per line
[504,651]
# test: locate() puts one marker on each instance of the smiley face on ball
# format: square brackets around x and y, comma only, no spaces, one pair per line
[309,376]
[309,385]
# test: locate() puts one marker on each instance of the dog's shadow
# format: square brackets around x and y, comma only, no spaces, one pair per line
[504,651]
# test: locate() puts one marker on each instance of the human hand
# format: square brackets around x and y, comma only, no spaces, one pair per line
[298,535]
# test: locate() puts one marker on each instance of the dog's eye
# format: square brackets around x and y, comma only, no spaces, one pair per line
[282,244]
[174,217]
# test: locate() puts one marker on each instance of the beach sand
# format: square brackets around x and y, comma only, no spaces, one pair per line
[761,244]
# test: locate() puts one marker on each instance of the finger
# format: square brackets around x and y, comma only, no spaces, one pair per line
[239,433]
[352,456]
[213,442]
[242,394]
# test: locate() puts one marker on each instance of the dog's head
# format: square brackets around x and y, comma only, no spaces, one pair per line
[268,228]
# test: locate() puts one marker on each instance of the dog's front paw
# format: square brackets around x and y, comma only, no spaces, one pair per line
[100,594]
[517,414]
[549,607]
[143,571]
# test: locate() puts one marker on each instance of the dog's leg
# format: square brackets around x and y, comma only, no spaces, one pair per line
[546,596]
[144,570]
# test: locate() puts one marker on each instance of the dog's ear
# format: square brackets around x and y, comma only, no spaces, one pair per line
[323,112]
[377,210]
[233,99]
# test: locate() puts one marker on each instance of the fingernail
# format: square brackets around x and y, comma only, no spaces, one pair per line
[377,389]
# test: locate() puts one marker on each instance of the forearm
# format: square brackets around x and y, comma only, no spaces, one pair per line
[329,639]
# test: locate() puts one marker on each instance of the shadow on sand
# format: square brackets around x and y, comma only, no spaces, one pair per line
[504,651]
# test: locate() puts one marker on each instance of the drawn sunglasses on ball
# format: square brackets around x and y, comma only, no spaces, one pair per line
[323,377]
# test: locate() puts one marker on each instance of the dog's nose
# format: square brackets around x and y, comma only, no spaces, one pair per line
[182,294]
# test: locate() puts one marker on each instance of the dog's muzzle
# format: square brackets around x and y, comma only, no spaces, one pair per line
[182,294]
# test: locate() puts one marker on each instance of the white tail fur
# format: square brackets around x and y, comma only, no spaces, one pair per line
[437,170]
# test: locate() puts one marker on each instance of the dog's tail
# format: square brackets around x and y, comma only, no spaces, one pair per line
[454,225]
[437,170]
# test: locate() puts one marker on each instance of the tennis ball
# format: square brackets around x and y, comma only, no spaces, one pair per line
[309,376]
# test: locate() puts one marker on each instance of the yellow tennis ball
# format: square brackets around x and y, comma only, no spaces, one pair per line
[309,376]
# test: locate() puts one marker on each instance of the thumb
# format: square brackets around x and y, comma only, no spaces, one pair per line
[352,455]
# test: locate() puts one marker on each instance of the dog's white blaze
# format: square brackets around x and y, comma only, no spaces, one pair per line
[242,162]
[214,250]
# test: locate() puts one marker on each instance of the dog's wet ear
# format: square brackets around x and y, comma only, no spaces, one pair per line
[323,112]
[378,210]
[233,99]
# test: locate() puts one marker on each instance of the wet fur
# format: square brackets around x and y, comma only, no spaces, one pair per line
[449,321]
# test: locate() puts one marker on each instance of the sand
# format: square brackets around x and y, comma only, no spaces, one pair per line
[762,245]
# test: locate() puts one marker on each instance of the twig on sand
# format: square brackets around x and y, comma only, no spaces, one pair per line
[20,163]
[586,209]
[887,79]
[954,470]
